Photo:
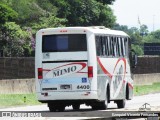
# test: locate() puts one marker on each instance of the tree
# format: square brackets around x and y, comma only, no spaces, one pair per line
[143,30]
[121,27]
[47,22]
[22,19]
[7,14]
[84,13]
[137,49]
[106,1]
[30,11]
[153,37]
[156,35]
[135,36]
[14,40]
[133,30]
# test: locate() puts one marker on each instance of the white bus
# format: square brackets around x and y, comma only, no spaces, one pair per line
[83,65]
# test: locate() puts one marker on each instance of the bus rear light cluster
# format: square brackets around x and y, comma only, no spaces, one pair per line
[90,71]
[87,93]
[63,30]
[44,94]
[40,73]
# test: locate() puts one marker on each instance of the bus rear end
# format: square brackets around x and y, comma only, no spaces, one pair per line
[62,71]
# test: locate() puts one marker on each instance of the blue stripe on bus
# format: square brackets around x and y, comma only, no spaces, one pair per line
[65,80]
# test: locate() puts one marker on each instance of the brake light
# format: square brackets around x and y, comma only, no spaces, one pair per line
[40,76]
[90,71]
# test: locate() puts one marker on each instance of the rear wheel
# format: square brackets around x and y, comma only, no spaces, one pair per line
[61,108]
[104,104]
[95,107]
[101,105]
[76,106]
[121,103]
[52,109]
[56,108]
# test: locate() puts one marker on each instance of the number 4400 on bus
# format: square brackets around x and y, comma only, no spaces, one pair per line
[83,65]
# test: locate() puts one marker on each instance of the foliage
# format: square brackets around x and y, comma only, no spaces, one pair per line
[121,27]
[33,15]
[138,49]
[19,21]
[84,13]
[46,22]
[143,30]
[106,1]
[140,36]
[7,14]
[23,18]
[137,36]
[29,11]
[14,40]
[156,35]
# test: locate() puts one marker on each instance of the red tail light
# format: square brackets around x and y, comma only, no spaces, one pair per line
[40,76]
[90,71]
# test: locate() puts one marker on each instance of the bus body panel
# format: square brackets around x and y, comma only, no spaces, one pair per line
[65,74]
[55,96]
[116,76]
[92,59]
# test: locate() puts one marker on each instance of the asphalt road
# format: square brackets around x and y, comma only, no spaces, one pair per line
[152,100]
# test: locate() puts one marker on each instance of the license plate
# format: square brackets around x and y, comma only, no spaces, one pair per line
[65,87]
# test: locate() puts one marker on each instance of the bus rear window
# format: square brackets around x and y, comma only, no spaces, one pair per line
[64,43]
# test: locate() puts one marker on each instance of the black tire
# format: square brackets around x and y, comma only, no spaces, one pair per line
[61,108]
[104,104]
[76,106]
[52,109]
[56,108]
[95,107]
[121,103]
[101,105]
[127,92]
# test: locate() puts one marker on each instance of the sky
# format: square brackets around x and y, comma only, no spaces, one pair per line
[129,11]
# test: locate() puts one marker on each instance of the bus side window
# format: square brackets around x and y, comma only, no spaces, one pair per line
[122,46]
[115,46]
[126,46]
[119,45]
[98,47]
[107,45]
[112,46]
[129,45]
[104,49]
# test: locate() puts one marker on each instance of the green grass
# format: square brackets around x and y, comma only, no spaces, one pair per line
[8,100]
[146,89]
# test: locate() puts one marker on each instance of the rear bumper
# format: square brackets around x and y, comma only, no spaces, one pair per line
[54,96]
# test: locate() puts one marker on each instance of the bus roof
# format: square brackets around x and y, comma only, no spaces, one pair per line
[93,29]
[103,30]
